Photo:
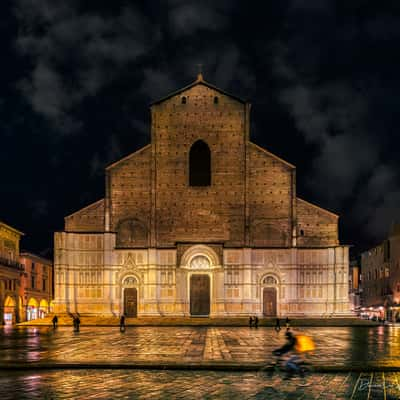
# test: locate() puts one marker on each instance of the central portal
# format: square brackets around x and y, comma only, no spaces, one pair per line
[200,295]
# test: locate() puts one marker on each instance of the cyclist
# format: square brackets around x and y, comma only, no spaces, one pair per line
[292,364]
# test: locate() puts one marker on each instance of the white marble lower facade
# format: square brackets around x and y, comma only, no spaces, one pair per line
[93,277]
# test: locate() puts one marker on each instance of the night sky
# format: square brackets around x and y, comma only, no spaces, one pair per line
[77,78]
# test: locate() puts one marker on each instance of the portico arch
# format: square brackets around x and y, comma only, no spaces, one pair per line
[43,308]
[32,309]
[9,310]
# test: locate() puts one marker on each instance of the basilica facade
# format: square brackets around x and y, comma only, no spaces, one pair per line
[201,222]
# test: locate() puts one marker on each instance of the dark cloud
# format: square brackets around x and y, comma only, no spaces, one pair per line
[39,209]
[322,77]
[188,17]
[157,84]
[334,107]
[75,55]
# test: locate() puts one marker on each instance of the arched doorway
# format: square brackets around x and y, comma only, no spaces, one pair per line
[130,297]
[269,296]
[9,310]
[32,309]
[200,295]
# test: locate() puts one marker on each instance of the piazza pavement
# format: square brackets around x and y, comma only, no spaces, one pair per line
[187,362]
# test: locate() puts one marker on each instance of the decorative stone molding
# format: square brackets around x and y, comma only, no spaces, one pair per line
[200,257]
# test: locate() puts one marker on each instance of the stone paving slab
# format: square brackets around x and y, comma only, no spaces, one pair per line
[192,385]
[337,349]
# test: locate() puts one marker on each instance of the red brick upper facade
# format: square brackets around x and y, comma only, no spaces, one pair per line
[250,200]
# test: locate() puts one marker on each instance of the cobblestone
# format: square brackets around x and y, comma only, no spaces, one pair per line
[123,384]
[195,346]
[339,346]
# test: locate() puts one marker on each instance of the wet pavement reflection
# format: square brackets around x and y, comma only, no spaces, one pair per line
[128,384]
[335,346]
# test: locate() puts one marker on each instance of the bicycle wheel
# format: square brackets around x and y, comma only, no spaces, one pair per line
[303,377]
[266,371]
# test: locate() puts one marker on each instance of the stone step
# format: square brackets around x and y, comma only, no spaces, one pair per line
[66,320]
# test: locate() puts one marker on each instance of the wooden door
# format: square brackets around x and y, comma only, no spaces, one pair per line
[269,302]
[130,302]
[200,295]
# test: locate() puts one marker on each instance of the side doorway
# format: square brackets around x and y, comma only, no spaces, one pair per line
[130,302]
[269,302]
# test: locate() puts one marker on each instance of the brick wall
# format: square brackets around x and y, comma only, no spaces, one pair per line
[315,226]
[269,199]
[149,201]
[88,219]
[186,213]
[129,190]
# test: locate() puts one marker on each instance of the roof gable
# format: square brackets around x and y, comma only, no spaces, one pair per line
[198,81]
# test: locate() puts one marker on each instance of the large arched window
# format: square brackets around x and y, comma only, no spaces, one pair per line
[199,164]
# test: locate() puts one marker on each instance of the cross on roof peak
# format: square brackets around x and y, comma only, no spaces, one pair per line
[200,72]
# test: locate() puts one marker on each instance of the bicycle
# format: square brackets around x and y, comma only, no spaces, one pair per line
[301,370]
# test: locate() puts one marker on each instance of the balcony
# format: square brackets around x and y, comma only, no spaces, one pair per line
[5,262]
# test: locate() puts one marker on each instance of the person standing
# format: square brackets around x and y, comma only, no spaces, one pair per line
[287,324]
[250,322]
[55,321]
[77,321]
[278,325]
[256,321]
[122,323]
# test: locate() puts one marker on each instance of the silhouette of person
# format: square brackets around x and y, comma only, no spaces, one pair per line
[277,325]
[256,321]
[292,364]
[122,323]
[287,323]
[250,322]
[77,321]
[55,321]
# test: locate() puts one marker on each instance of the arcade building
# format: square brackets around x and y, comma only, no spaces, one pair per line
[201,222]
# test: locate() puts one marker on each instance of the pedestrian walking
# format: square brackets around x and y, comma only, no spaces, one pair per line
[122,323]
[76,321]
[251,322]
[287,324]
[55,321]
[278,325]
[256,321]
